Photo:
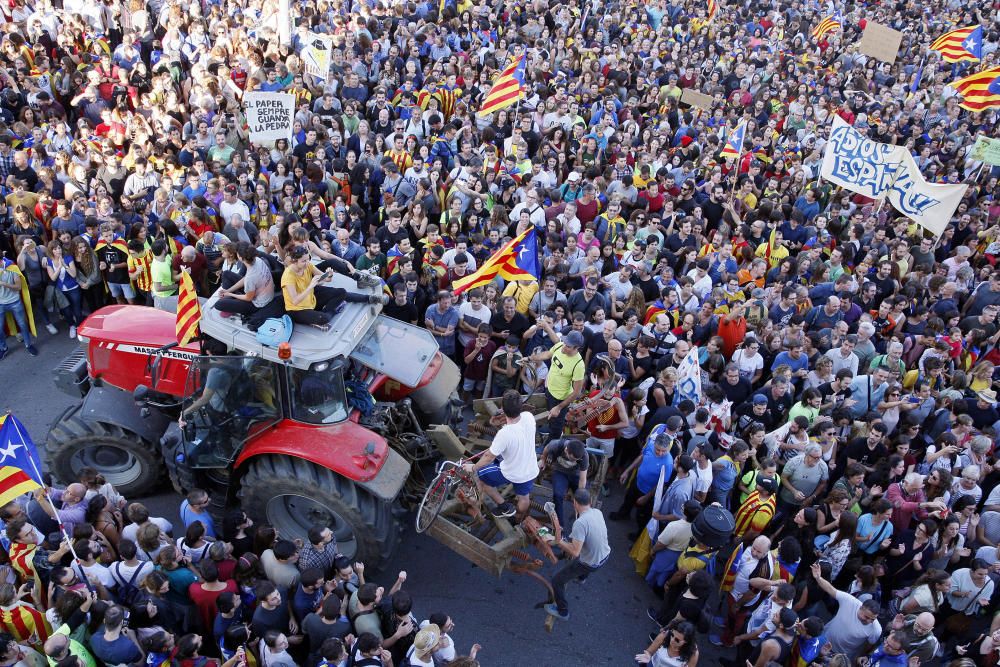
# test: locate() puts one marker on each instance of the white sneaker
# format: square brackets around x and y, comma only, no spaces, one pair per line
[52,328]
[72,332]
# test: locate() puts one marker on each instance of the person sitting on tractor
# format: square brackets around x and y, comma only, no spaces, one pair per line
[248,293]
[510,459]
[308,302]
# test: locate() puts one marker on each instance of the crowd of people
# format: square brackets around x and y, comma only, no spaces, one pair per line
[133,589]
[847,411]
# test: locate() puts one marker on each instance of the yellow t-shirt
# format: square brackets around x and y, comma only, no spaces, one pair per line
[565,370]
[779,253]
[301,283]
[523,293]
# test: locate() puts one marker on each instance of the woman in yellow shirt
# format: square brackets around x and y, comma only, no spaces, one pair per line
[308,302]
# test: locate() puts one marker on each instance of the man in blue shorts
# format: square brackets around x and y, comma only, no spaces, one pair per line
[510,459]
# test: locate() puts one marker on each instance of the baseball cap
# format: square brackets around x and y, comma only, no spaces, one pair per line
[759,399]
[768,484]
[573,177]
[231,189]
[758,293]
[574,339]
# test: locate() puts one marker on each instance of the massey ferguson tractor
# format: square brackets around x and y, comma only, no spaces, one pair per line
[321,431]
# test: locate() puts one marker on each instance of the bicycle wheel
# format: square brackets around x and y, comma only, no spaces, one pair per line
[432,503]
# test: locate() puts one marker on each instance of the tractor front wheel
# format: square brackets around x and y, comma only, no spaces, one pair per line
[132,465]
[293,495]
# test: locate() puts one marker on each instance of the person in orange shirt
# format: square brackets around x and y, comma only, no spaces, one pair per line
[754,274]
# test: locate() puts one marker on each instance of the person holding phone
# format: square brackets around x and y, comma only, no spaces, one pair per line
[309,302]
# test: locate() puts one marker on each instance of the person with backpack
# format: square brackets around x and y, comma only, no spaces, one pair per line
[129,573]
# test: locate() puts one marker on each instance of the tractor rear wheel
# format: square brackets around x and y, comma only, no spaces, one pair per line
[293,495]
[132,465]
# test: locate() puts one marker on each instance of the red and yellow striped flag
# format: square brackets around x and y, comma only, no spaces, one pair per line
[507,88]
[713,9]
[979,91]
[188,310]
[827,25]
[25,624]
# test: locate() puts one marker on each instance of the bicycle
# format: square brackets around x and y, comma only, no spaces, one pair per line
[451,476]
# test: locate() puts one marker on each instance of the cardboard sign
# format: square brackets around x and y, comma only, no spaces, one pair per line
[269,115]
[880,42]
[986,150]
[696,99]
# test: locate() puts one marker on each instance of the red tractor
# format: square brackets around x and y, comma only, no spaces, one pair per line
[325,436]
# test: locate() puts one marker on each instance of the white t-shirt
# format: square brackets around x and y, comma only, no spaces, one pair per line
[122,573]
[129,531]
[101,573]
[516,444]
[703,478]
[471,316]
[845,632]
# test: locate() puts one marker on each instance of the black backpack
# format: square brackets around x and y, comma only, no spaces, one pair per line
[128,593]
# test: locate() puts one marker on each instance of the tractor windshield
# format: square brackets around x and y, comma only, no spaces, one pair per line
[318,396]
[229,400]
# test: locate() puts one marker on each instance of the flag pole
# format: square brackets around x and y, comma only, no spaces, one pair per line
[55,511]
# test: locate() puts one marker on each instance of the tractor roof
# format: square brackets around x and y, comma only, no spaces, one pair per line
[309,344]
[358,332]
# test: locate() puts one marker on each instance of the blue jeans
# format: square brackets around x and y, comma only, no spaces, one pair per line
[557,423]
[73,313]
[561,482]
[21,317]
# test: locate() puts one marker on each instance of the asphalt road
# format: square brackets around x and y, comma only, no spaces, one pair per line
[607,624]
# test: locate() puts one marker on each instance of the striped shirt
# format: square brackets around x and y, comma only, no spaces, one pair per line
[754,514]
[139,269]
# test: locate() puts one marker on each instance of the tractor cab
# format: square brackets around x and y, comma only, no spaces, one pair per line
[229,400]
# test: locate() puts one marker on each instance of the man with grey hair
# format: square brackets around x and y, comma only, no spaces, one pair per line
[892,360]
[803,479]
[865,348]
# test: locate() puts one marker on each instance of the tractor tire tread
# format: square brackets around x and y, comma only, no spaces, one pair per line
[380,529]
[66,436]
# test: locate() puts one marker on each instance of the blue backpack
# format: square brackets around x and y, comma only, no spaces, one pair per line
[275,330]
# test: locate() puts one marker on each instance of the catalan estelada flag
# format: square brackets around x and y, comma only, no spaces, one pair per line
[827,25]
[507,88]
[734,143]
[979,91]
[518,260]
[732,567]
[962,45]
[19,463]
[188,310]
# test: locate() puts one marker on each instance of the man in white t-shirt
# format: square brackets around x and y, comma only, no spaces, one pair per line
[510,459]
[471,314]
